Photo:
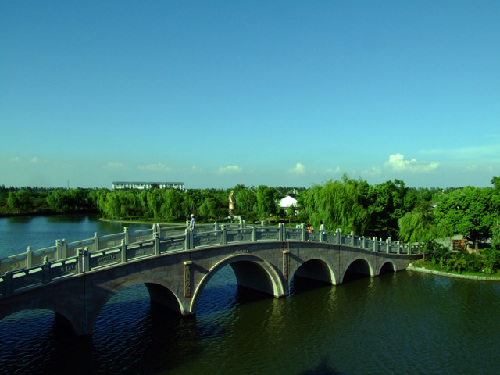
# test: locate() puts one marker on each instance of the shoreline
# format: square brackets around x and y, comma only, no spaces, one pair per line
[448,274]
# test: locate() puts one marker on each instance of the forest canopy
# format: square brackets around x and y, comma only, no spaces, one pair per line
[390,209]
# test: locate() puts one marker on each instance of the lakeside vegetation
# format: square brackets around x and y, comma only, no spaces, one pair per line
[384,210]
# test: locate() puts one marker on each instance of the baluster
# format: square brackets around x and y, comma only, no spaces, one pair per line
[224,235]
[157,244]
[96,242]
[58,250]
[123,251]
[46,270]
[126,235]
[29,258]
[64,249]
[186,239]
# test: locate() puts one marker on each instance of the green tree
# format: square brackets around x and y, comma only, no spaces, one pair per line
[470,212]
[388,202]
[154,202]
[339,204]
[20,200]
[208,209]
[245,202]
[266,204]
[496,182]
[171,208]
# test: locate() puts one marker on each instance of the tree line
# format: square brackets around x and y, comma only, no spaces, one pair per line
[389,209]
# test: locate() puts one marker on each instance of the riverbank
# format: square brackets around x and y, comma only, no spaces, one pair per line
[412,267]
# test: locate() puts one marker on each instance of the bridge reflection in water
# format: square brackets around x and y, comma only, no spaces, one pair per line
[76,280]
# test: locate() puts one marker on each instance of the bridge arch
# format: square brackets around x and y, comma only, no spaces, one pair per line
[318,269]
[159,291]
[250,271]
[387,267]
[359,266]
[64,313]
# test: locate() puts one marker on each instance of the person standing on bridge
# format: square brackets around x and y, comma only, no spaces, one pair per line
[192,223]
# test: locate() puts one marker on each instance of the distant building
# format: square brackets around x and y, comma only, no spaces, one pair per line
[288,202]
[120,185]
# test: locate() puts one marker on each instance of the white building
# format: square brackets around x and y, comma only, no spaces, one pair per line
[120,185]
[288,202]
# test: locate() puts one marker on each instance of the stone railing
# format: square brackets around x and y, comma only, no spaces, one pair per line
[68,259]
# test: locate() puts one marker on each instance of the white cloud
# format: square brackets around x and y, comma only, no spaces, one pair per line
[374,172]
[479,168]
[35,159]
[486,151]
[333,170]
[229,169]
[14,160]
[399,163]
[299,169]
[115,164]
[160,167]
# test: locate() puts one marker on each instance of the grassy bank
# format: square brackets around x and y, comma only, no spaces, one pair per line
[427,267]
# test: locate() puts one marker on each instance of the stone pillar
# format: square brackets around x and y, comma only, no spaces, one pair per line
[58,250]
[79,261]
[254,234]
[29,258]
[286,265]
[154,230]
[96,242]
[339,236]
[46,271]
[187,244]
[123,252]
[224,235]
[86,259]
[64,249]
[126,235]
[157,243]
[375,244]
[187,279]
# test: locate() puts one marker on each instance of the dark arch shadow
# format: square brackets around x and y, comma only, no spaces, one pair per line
[388,267]
[358,269]
[310,275]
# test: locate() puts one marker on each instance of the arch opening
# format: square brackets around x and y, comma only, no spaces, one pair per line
[163,297]
[123,311]
[310,275]
[357,270]
[28,333]
[387,267]
[141,318]
[250,280]
[250,275]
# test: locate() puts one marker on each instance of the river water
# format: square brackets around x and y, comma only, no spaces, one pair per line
[402,323]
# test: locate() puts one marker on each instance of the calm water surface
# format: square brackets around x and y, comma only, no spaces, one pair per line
[403,323]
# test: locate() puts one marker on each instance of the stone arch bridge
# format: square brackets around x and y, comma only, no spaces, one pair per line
[76,280]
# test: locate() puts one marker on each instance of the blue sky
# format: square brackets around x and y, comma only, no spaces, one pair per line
[219,93]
